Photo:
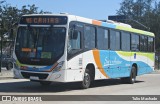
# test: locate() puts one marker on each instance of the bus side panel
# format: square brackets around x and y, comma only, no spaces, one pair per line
[93,57]
[110,64]
[144,61]
[142,67]
[74,71]
[114,64]
[151,62]
[125,65]
[78,64]
[119,66]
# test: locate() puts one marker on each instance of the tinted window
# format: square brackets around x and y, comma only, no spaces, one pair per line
[89,37]
[143,43]
[134,42]
[40,45]
[114,40]
[150,44]
[102,38]
[74,43]
[125,41]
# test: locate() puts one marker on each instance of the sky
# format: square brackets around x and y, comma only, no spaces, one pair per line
[94,9]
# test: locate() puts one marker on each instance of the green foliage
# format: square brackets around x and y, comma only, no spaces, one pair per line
[11,15]
[146,12]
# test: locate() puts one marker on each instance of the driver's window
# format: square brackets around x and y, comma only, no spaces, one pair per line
[74,43]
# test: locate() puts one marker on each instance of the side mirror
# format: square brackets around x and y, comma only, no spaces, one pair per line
[75,34]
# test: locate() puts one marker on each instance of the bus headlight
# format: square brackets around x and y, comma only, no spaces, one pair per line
[58,67]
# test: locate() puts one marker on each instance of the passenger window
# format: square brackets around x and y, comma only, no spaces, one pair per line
[74,41]
[114,40]
[150,44]
[146,44]
[134,42]
[143,43]
[125,40]
[89,37]
[102,39]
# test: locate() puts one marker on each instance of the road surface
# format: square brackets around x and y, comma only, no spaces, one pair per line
[148,84]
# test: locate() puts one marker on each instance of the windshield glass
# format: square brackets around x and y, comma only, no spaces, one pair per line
[40,45]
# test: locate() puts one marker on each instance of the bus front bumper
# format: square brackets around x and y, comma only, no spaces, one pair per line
[39,76]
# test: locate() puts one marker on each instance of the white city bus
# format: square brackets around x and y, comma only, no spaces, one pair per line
[68,48]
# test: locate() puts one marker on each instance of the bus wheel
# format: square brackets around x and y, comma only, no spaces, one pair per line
[132,77]
[9,66]
[86,80]
[45,83]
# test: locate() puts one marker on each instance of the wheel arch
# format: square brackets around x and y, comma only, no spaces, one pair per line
[91,68]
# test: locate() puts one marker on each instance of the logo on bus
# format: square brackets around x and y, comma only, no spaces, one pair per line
[108,62]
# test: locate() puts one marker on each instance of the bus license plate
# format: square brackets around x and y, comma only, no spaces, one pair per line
[34,78]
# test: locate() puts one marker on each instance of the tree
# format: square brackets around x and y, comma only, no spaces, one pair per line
[10,15]
[144,12]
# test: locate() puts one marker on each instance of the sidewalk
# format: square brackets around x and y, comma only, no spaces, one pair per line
[6,74]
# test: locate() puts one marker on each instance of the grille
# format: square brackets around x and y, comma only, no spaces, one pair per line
[40,75]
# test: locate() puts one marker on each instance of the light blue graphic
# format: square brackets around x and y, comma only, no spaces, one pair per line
[115,66]
[108,25]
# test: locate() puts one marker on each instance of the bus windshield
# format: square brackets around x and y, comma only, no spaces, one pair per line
[40,45]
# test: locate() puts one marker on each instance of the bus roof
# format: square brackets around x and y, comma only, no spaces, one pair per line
[124,28]
[115,26]
[99,23]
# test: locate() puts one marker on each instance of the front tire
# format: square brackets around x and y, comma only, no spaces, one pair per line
[86,80]
[9,66]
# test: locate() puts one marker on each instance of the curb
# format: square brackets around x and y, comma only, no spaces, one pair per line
[2,78]
[6,75]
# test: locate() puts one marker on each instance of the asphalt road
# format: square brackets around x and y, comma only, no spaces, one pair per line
[148,84]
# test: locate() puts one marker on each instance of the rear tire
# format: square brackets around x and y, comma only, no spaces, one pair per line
[45,83]
[132,78]
[86,80]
